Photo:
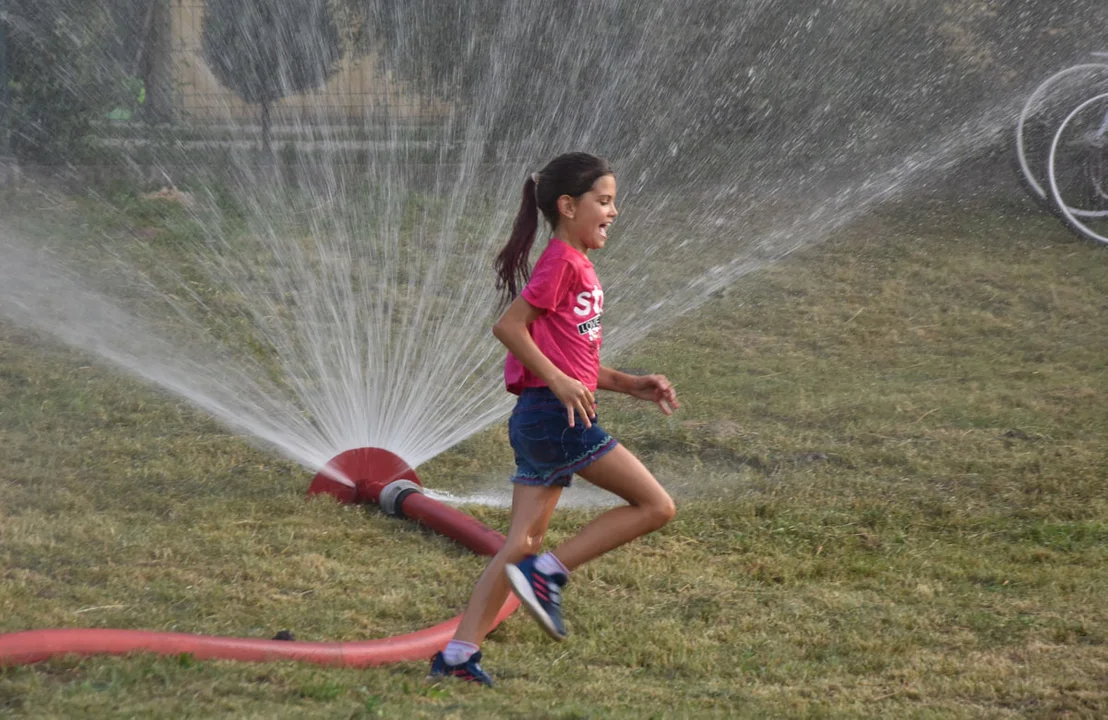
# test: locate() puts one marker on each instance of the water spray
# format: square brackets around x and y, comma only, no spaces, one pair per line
[358,476]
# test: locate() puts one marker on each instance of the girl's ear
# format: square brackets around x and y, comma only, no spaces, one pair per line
[567,205]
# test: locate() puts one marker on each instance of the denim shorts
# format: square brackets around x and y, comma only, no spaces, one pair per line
[548,451]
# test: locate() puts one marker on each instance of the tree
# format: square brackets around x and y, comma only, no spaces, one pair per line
[60,75]
[266,50]
[783,82]
[142,51]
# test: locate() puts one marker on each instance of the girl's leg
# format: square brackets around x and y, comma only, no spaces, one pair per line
[649,508]
[531,510]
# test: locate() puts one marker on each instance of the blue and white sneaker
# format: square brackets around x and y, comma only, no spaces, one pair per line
[470,670]
[540,593]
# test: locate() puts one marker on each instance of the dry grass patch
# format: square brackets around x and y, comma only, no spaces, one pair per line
[889,466]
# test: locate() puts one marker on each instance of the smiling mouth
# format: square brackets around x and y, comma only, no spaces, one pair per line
[604,229]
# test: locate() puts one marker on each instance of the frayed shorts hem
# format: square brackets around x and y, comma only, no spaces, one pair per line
[563,476]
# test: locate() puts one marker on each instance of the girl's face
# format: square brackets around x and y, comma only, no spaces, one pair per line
[585,220]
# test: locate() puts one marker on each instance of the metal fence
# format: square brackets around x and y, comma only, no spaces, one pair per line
[358,91]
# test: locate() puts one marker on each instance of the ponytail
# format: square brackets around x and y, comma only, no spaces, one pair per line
[570,174]
[512,270]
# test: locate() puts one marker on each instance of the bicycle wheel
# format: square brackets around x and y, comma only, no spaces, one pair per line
[1039,120]
[1077,168]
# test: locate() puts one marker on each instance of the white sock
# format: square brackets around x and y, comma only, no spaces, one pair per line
[549,564]
[457,652]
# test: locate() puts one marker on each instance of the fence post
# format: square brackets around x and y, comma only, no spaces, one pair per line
[9,169]
[157,69]
[5,93]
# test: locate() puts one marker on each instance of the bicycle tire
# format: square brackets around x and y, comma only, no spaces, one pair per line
[1075,219]
[1031,183]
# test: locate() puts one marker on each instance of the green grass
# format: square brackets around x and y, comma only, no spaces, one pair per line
[889,466]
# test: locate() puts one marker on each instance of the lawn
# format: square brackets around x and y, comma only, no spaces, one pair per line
[890,472]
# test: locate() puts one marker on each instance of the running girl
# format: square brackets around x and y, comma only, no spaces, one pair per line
[552,332]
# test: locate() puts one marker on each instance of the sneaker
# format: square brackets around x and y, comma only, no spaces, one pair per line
[540,593]
[470,670]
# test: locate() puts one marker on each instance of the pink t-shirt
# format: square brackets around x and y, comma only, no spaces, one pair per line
[564,284]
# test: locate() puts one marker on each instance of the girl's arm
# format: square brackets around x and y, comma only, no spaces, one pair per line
[511,329]
[655,388]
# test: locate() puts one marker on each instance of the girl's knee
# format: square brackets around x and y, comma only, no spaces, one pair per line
[666,511]
[660,511]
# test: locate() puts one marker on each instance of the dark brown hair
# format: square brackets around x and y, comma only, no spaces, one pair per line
[571,174]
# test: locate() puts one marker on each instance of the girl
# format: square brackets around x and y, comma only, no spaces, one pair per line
[553,335]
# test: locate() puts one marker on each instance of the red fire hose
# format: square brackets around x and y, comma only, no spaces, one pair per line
[356,476]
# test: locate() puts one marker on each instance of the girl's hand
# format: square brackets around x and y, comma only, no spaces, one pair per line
[576,397]
[656,389]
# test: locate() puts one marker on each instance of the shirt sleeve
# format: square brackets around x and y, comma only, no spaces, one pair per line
[549,282]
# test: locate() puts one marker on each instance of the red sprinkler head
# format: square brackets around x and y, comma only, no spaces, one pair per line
[366,475]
